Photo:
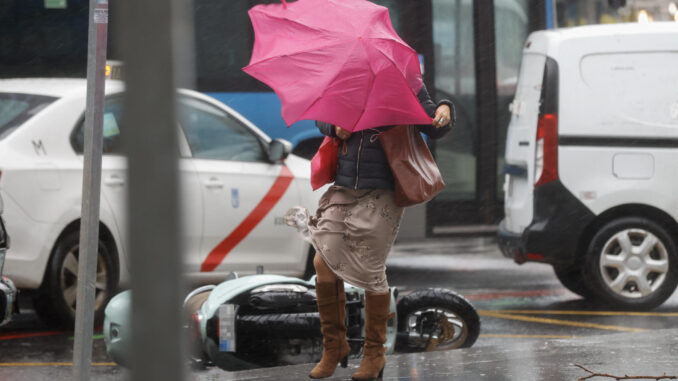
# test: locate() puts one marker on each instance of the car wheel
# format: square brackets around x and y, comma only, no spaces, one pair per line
[632,262]
[56,299]
[571,277]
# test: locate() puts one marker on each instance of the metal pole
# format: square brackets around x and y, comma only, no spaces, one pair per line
[486,95]
[149,42]
[91,188]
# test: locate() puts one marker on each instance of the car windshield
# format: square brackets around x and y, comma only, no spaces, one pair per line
[16,109]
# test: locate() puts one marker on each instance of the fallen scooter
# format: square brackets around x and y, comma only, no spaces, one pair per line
[271,320]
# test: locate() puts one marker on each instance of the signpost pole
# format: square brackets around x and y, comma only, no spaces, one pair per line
[91,189]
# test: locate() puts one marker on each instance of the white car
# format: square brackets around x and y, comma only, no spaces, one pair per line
[234,192]
[592,154]
[7,288]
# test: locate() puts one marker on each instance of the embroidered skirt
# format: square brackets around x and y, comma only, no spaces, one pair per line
[353,231]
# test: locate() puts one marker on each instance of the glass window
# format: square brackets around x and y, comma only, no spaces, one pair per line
[585,12]
[511,23]
[16,109]
[455,79]
[223,44]
[224,38]
[395,10]
[112,139]
[216,135]
[39,41]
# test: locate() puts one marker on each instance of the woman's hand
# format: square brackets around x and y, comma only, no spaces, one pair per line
[341,133]
[442,117]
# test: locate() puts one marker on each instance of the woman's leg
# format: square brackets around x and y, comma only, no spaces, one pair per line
[377,313]
[322,271]
[332,309]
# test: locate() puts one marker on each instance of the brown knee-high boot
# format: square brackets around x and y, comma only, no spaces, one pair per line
[332,309]
[377,308]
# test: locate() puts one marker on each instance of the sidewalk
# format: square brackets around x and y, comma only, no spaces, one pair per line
[635,354]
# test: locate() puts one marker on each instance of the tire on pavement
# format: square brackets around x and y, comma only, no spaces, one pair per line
[632,262]
[55,300]
[572,278]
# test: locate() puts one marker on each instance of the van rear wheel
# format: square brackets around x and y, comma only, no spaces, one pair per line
[632,262]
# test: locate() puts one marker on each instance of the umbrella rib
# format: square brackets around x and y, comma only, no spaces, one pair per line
[373,80]
[394,65]
[348,56]
[295,53]
[393,40]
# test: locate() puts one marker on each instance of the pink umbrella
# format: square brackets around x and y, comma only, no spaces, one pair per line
[337,61]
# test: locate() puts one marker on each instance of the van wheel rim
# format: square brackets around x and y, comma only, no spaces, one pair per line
[634,263]
[69,280]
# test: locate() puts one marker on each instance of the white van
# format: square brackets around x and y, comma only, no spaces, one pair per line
[592,161]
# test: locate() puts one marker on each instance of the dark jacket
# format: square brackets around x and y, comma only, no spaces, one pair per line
[362,161]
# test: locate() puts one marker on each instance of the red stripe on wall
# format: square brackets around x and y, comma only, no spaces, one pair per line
[269,201]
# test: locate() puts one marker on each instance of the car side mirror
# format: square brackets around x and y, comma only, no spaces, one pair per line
[278,150]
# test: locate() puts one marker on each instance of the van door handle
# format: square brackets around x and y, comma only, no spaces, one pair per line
[114,181]
[515,170]
[214,183]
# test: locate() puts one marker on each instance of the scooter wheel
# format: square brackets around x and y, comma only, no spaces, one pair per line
[436,319]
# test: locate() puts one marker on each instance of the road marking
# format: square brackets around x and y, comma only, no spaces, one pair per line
[36,364]
[533,319]
[11,335]
[591,313]
[515,294]
[277,191]
[94,337]
[508,336]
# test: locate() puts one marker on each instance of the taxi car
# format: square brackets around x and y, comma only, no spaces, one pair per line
[236,185]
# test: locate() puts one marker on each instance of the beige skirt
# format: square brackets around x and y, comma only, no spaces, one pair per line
[353,231]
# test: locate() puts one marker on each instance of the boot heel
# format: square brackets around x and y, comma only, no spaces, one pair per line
[344,362]
[381,374]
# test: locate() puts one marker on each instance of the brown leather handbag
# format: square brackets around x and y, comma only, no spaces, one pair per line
[417,177]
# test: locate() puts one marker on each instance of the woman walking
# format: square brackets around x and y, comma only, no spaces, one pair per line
[352,231]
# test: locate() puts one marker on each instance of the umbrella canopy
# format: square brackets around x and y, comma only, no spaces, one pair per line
[337,61]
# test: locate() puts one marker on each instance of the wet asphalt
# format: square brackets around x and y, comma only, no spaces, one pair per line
[532,328]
